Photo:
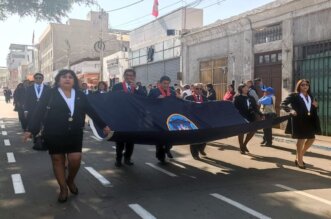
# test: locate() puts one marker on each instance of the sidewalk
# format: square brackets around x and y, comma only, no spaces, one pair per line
[7,109]
[321,142]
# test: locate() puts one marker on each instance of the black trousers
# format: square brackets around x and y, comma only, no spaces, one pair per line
[22,119]
[267,133]
[196,148]
[120,146]
[7,98]
[161,151]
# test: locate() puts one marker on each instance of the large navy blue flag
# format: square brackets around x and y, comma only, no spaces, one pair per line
[143,120]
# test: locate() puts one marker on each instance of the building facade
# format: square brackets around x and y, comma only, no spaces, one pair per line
[280,42]
[4,77]
[87,70]
[114,67]
[62,44]
[20,63]
[155,48]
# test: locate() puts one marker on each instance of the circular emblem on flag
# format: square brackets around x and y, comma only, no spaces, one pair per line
[177,122]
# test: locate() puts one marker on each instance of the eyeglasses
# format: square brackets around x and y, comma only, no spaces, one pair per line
[38,77]
[304,85]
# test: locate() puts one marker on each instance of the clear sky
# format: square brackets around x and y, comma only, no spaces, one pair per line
[20,30]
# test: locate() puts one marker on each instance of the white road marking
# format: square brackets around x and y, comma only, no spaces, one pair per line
[193,177]
[1,121]
[4,133]
[3,126]
[246,156]
[141,211]
[304,194]
[11,157]
[178,165]
[95,138]
[98,176]
[7,142]
[161,170]
[82,162]
[18,184]
[240,206]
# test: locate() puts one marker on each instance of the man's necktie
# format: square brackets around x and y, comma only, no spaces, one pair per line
[38,89]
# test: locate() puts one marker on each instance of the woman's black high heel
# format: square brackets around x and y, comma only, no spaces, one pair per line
[301,167]
[62,199]
[73,191]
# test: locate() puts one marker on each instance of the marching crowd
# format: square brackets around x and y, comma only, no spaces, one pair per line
[54,117]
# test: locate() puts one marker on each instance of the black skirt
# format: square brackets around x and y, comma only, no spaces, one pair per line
[64,144]
[303,126]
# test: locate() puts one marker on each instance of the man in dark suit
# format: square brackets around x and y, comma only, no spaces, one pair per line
[197,97]
[163,91]
[32,98]
[127,86]
[85,89]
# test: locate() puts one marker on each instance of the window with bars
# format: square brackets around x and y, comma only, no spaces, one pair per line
[268,34]
[268,58]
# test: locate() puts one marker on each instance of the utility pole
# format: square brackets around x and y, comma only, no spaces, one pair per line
[101,42]
[68,53]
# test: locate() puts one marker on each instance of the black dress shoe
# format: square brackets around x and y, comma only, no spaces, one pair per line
[242,151]
[196,157]
[169,155]
[118,164]
[162,161]
[263,142]
[129,162]
[203,153]
[246,149]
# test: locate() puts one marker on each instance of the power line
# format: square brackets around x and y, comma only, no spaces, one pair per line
[147,15]
[127,6]
[191,12]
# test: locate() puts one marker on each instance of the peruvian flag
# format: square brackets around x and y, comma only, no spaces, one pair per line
[155,11]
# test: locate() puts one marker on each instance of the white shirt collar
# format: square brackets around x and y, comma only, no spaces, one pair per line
[70,101]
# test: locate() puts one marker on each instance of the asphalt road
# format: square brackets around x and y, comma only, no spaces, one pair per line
[225,184]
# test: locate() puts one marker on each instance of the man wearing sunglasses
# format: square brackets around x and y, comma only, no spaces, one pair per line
[33,95]
[197,97]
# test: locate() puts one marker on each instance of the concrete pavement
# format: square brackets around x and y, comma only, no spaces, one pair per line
[225,184]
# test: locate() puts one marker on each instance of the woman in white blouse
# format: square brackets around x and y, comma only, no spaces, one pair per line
[62,113]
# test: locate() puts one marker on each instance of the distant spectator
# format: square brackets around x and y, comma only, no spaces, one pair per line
[267,103]
[102,87]
[85,89]
[259,87]
[178,92]
[211,93]
[187,91]
[149,88]
[229,95]
[143,88]
[7,93]
[252,91]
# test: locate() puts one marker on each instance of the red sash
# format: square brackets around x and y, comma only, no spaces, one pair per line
[196,98]
[125,88]
[163,93]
